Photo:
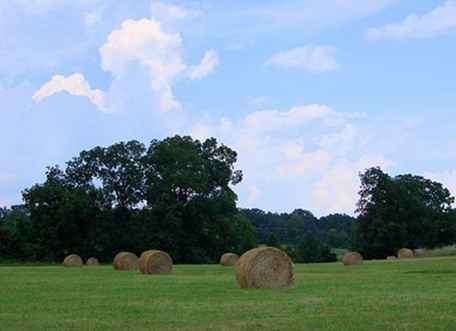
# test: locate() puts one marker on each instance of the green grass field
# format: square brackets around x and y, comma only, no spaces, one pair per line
[380,295]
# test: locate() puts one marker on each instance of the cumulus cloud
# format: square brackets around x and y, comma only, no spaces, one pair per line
[311,58]
[74,84]
[138,48]
[440,20]
[208,63]
[145,42]
[310,153]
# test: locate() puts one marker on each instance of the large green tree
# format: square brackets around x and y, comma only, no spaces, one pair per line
[175,195]
[402,211]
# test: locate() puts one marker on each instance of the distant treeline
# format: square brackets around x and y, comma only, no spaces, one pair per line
[176,195]
[335,230]
[305,237]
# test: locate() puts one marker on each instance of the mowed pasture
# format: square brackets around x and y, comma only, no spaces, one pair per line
[418,294]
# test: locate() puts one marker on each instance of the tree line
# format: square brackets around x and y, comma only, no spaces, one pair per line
[176,195]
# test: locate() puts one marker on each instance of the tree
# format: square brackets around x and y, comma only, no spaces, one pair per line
[175,195]
[188,186]
[310,250]
[333,230]
[15,233]
[273,241]
[402,211]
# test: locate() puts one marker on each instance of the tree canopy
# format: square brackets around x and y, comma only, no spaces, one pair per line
[402,211]
[173,195]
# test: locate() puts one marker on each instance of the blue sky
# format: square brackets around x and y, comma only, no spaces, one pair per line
[309,92]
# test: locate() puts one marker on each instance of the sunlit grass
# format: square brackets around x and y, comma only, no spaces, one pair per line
[382,295]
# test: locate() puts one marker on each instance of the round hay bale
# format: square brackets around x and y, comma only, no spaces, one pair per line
[155,262]
[391,258]
[73,261]
[229,259]
[92,261]
[405,253]
[142,259]
[352,258]
[264,267]
[125,261]
[419,252]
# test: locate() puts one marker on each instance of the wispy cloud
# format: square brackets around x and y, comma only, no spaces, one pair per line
[311,58]
[436,22]
[207,65]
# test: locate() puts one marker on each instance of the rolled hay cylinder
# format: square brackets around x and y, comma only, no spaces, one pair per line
[419,252]
[391,258]
[264,267]
[92,261]
[352,258]
[125,261]
[155,262]
[405,253]
[229,259]
[73,261]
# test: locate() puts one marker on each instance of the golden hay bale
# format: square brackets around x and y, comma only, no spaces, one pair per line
[142,259]
[125,261]
[155,262]
[352,258]
[229,259]
[73,260]
[92,261]
[264,267]
[405,253]
[391,258]
[419,252]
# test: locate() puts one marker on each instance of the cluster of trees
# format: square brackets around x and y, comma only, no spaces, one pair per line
[174,195]
[305,237]
[402,211]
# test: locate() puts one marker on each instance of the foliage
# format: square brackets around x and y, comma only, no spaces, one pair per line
[402,211]
[310,250]
[334,230]
[174,195]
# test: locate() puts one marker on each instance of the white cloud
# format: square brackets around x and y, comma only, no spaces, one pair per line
[311,58]
[311,154]
[293,150]
[438,21]
[146,43]
[314,14]
[169,13]
[208,63]
[277,120]
[305,164]
[74,84]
